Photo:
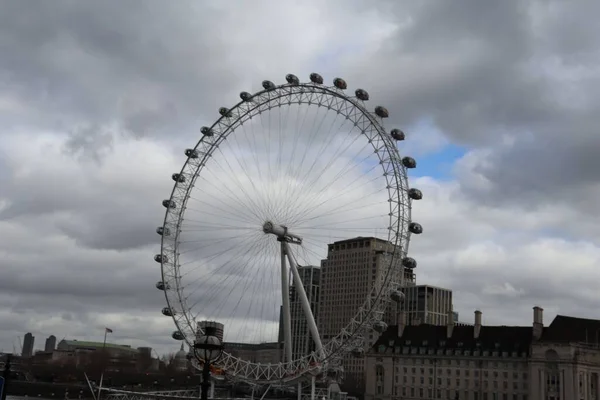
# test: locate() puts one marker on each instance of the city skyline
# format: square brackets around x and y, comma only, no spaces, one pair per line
[501,119]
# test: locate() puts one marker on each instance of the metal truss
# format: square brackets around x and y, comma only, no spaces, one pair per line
[370,125]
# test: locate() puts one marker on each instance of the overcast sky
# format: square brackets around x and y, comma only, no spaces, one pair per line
[98,100]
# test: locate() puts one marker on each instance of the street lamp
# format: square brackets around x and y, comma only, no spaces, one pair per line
[207,349]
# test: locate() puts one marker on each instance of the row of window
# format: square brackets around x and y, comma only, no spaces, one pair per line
[480,364]
[407,349]
[466,372]
[461,383]
[428,393]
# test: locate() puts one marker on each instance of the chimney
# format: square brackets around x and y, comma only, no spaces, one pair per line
[450,324]
[477,327]
[401,322]
[538,322]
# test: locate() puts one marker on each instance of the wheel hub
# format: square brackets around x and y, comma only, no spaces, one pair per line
[282,232]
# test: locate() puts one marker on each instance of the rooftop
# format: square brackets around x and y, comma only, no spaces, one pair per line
[563,329]
[492,338]
[572,329]
[82,343]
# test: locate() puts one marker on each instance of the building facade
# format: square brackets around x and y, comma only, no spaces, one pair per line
[428,305]
[219,328]
[351,269]
[477,362]
[302,342]
[264,353]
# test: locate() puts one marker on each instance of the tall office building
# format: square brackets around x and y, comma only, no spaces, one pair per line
[427,305]
[302,342]
[28,341]
[50,344]
[351,269]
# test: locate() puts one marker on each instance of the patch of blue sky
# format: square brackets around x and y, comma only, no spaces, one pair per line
[438,165]
[431,148]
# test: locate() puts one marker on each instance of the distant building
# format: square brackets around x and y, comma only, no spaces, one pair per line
[426,304]
[478,362]
[119,356]
[180,360]
[219,327]
[302,341]
[28,342]
[264,353]
[50,344]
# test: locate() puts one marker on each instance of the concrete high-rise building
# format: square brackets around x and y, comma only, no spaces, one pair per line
[50,344]
[426,304]
[348,274]
[28,341]
[219,327]
[302,342]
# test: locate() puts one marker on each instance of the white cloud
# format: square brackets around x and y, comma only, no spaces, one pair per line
[95,121]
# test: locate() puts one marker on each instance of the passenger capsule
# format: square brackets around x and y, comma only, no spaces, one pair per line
[159,258]
[397,134]
[245,96]
[358,352]
[382,112]
[415,194]
[178,178]
[225,112]
[397,296]
[206,131]
[167,311]
[362,94]
[415,228]
[340,83]
[409,162]
[316,78]
[409,262]
[160,285]
[163,231]
[169,204]
[177,335]
[191,153]
[292,79]
[268,85]
[380,326]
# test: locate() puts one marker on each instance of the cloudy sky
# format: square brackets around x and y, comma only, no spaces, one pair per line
[499,101]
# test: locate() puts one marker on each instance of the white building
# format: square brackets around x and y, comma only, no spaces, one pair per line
[477,362]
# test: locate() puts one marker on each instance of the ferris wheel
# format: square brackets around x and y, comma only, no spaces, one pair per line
[279,176]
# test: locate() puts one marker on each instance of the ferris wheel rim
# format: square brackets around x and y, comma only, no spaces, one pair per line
[169,270]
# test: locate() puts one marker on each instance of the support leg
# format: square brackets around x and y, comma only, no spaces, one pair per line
[312,387]
[211,394]
[285,301]
[205,381]
[312,325]
[299,390]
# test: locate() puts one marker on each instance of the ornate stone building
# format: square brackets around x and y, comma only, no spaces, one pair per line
[477,362]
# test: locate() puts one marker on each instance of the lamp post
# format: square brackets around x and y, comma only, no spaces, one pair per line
[207,349]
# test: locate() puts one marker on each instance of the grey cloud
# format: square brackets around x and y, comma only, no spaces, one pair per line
[95,73]
[142,67]
[485,76]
